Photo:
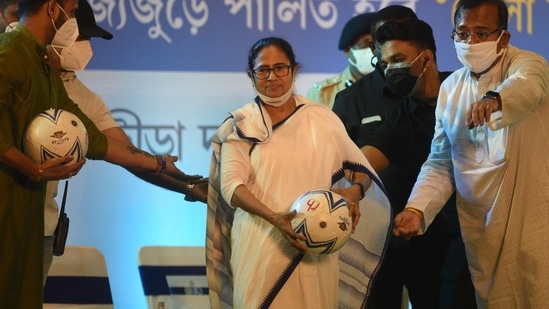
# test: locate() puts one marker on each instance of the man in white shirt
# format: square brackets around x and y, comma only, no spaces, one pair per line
[490,145]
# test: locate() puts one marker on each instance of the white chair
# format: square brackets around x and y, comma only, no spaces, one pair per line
[174,275]
[78,279]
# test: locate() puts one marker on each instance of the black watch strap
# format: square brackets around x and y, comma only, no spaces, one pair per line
[362,189]
[491,95]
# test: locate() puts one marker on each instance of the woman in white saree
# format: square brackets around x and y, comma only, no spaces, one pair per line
[266,154]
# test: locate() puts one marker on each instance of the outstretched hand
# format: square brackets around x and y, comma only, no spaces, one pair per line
[176,173]
[197,190]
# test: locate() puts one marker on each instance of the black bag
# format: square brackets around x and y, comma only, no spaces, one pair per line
[62,229]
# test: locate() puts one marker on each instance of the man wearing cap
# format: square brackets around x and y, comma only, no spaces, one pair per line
[28,86]
[354,42]
[75,57]
[66,60]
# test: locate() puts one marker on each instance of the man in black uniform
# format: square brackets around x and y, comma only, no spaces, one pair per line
[400,134]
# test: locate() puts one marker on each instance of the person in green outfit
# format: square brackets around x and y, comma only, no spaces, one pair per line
[28,86]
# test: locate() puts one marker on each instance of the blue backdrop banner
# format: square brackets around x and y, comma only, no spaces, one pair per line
[213,35]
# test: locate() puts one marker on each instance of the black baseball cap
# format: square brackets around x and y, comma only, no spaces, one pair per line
[86,22]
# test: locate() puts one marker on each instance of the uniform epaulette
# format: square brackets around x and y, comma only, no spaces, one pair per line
[327,82]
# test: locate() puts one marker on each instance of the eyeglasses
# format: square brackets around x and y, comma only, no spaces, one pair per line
[465,36]
[280,70]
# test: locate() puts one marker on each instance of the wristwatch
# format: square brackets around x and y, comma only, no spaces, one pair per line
[189,197]
[491,95]
[494,96]
[362,189]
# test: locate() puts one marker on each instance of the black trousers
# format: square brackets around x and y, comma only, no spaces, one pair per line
[416,264]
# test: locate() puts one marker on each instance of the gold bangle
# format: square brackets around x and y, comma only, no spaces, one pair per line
[419,213]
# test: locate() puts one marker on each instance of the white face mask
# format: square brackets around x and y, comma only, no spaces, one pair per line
[365,62]
[66,34]
[76,56]
[278,101]
[480,56]
[12,26]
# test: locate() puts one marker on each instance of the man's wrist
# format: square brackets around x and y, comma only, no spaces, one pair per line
[160,165]
[189,197]
[37,175]
[418,212]
[362,189]
[492,95]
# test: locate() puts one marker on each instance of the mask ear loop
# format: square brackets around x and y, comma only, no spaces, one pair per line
[58,53]
[424,63]
[501,35]
[427,58]
[430,99]
[499,41]
[418,56]
[374,58]
[62,10]
[51,14]
[351,61]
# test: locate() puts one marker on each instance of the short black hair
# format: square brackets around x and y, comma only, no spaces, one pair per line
[503,12]
[282,44]
[392,13]
[31,7]
[418,32]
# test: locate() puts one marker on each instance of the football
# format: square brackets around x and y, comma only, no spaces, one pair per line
[323,218]
[55,133]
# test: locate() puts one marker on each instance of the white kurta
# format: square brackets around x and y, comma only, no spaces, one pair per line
[501,174]
[309,150]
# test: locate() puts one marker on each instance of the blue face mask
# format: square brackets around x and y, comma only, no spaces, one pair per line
[399,79]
